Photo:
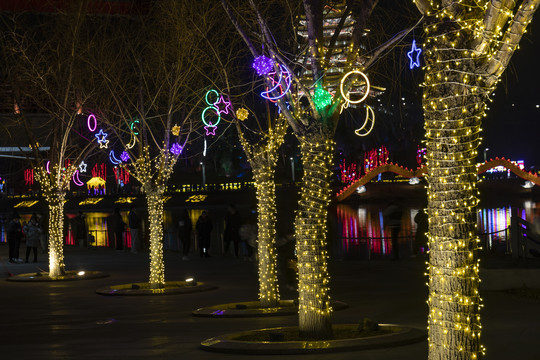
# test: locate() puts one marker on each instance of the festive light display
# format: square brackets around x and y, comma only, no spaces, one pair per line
[311,230]
[467,48]
[113,158]
[101,137]
[222,105]
[415,52]
[121,174]
[47,167]
[91,122]
[280,86]
[29,177]
[133,126]
[263,158]
[175,130]
[176,149]
[263,65]
[322,98]
[242,114]
[346,96]
[368,124]
[210,130]
[82,167]
[76,179]
[124,156]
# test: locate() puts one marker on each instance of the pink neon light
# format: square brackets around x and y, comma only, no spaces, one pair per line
[47,167]
[91,116]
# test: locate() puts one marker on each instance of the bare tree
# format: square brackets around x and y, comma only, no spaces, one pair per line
[469,45]
[44,61]
[152,88]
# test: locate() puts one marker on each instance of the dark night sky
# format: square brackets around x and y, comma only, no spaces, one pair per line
[512,127]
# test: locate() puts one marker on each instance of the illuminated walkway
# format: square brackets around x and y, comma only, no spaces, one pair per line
[69,321]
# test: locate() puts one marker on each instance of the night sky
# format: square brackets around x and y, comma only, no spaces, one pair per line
[512,127]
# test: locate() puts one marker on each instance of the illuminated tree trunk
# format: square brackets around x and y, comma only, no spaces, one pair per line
[154,200]
[56,235]
[266,245]
[454,104]
[314,301]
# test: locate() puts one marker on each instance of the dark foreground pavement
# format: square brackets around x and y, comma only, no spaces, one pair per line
[67,320]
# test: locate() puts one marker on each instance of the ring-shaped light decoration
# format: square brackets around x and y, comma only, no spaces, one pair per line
[76,179]
[91,119]
[363,131]
[211,91]
[113,158]
[132,126]
[345,97]
[284,76]
[210,123]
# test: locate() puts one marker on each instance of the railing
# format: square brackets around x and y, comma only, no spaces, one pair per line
[524,238]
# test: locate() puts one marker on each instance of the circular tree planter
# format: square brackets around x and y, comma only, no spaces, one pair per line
[71,275]
[254,309]
[274,341]
[171,288]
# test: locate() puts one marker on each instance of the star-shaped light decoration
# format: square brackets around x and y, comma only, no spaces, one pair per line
[124,156]
[176,149]
[242,114]
[222,105]
[175,130]
[82,167]
[210,130]
[101,139]
[414,63]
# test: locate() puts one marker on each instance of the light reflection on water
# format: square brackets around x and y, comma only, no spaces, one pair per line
[363,234]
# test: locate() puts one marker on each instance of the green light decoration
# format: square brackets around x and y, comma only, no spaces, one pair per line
[322,98]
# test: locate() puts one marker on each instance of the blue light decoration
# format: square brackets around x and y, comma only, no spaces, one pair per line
[176,149]
[113,158]
[281,85]
[102,139]
[124,156]
[263,65]
[414,63]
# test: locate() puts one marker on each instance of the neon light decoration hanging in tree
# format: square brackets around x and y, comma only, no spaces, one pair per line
[414,63]
[102,139]
[346,97]
[76,179]
[281,85]
[176,149]
[113,158]
[211,107]
[82,167]
[263,65]
[124,156]
[322,98]
[369,122]
[91,122]
[242,114]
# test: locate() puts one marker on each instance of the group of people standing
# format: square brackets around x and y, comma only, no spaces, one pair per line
[32,232]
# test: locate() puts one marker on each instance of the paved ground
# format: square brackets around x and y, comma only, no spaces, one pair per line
[67,320]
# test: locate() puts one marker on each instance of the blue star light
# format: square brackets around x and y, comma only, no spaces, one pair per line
[101,139]
[414,63]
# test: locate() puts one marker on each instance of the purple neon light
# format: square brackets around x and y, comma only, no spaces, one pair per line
[124,156]
[418,51]
[263,65]
[89,119]
[47,167]
[176,149]
[222,105]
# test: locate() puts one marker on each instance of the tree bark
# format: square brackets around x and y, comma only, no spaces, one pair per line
[314,301]
[454,104]
[266,245]
[154,199]
[56,235]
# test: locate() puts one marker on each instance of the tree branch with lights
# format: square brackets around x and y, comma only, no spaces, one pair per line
[468,45]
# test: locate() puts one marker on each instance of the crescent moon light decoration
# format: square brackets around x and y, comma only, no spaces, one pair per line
[113,158]
[283,79]
[47,167]
[76,179]
[134,134]
[363,130]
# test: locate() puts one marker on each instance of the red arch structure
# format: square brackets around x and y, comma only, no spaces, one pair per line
[407,173]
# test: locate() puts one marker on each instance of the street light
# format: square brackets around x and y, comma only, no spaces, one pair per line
[485,154]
